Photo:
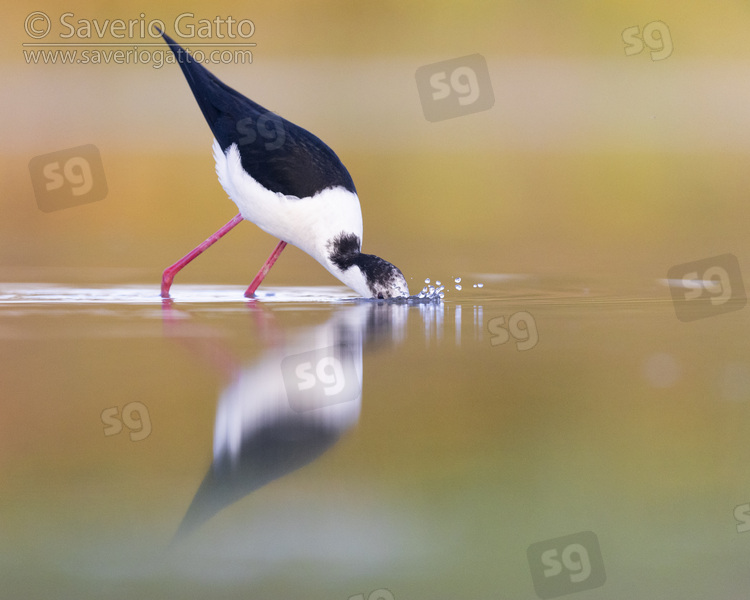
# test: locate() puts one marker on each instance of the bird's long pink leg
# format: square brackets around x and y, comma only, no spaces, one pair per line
[170,272]
[250,292]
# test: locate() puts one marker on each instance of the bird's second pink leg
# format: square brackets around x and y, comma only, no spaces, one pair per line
[170,272]
[250,292]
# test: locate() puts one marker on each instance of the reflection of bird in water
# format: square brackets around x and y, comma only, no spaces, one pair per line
[289,183]
[270,453]
[286,410]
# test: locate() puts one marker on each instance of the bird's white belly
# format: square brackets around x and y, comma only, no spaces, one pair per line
[308,223]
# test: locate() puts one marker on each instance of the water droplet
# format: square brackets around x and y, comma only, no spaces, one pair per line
[427,280]
[458,287]
[438,283]
[480,285]
[457,280]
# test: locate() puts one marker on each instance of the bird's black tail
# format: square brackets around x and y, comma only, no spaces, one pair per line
[222,106]
[281,156]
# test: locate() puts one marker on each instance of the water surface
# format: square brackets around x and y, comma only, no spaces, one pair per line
[306,444]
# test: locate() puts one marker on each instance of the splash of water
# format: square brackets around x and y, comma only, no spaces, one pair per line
[437,290]
[432,292]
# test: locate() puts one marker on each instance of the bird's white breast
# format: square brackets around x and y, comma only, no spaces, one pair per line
[308,223]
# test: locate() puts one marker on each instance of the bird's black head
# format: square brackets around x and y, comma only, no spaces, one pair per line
[366,274]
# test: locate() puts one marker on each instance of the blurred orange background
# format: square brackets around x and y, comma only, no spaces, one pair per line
[591,161]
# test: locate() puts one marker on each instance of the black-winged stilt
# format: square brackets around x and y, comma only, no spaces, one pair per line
[286,181]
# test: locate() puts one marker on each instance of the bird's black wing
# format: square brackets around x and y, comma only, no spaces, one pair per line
[280,155]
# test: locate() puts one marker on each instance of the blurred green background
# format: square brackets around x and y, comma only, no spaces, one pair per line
[591,162]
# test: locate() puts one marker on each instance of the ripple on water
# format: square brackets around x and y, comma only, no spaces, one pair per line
[484,287]
[42,293]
